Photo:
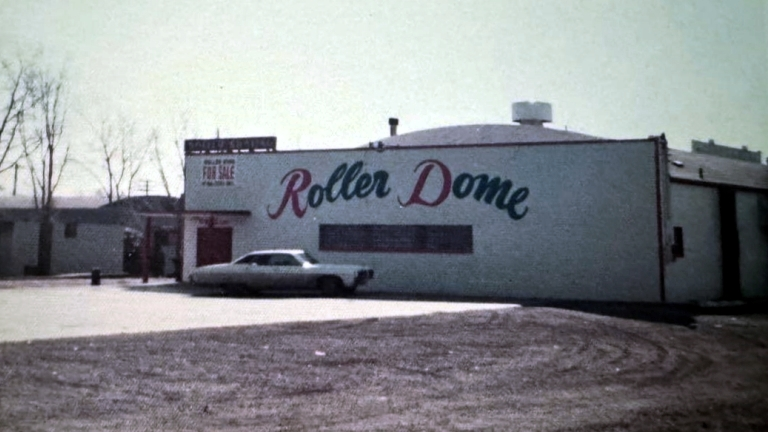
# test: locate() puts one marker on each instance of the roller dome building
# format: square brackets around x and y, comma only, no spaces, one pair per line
[511,210]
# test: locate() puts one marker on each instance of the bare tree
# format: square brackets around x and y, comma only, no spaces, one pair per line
[181,131]
[122,156]
[45,152]
[13,82]
[154,139]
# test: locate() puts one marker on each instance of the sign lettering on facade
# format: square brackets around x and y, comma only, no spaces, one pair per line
[218,172]
[350,182]
[229,145]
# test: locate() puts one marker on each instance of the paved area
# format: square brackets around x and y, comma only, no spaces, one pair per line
[60,308]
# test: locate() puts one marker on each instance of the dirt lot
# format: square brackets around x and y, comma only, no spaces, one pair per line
[530,368]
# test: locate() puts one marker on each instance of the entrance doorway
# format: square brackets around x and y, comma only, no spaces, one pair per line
[729,245]
[6,249]
[214,245]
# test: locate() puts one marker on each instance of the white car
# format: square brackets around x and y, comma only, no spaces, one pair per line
[284,268]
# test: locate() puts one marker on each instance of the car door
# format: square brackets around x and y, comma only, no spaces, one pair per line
[237,272]
[258,274]
[286,271]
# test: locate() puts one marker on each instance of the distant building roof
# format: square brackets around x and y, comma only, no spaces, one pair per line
[482,134]
[715,149]
[61,202]
[125,212]
[712,170]
[148,204]
[97,216]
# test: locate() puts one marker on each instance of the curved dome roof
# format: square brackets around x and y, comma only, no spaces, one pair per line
[482,134]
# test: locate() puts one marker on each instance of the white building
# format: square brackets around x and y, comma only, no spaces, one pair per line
[87,234]
[720,207]
[479,210]
[82,239]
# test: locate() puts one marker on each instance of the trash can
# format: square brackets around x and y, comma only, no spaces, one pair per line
[96,276]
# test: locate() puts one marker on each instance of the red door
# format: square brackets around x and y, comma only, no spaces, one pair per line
[214,245]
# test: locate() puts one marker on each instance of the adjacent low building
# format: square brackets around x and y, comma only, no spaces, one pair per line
[87,234]
[83,237]
[719,214]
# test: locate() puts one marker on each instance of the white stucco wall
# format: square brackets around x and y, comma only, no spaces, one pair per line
[697,275]
[26,238]
[590,230]
[752,222]
[95,246]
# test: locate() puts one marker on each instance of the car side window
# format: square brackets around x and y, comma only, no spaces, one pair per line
[283,260]
[262,260]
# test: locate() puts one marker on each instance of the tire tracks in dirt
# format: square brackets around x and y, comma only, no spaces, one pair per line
[535,368]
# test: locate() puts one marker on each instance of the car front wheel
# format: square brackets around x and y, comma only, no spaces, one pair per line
[330,285]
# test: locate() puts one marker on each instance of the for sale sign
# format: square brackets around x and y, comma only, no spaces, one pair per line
[219,172]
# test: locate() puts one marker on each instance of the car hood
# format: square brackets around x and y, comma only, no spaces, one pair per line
[212,267]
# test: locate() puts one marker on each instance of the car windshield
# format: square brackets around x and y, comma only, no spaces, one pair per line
[308,258]
[245,260]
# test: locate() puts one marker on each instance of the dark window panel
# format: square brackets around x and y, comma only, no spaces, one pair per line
[397,238]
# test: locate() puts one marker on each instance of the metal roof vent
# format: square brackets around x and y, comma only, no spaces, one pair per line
[532,113]
[393,122]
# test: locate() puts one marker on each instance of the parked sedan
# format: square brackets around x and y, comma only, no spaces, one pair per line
[268,269]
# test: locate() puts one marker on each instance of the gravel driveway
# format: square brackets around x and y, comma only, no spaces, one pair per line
[526,369]
[575,367]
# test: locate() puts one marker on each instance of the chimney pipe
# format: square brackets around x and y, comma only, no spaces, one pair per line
[393,122]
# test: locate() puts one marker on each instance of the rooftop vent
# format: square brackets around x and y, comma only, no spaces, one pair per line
[393,122]
[532,113]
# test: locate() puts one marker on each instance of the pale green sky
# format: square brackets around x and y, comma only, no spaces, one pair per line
[330,74]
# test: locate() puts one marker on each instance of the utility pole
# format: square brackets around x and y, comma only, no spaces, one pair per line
[15,177]
[146,187]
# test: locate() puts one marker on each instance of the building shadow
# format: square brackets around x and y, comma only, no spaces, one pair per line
[675,314]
